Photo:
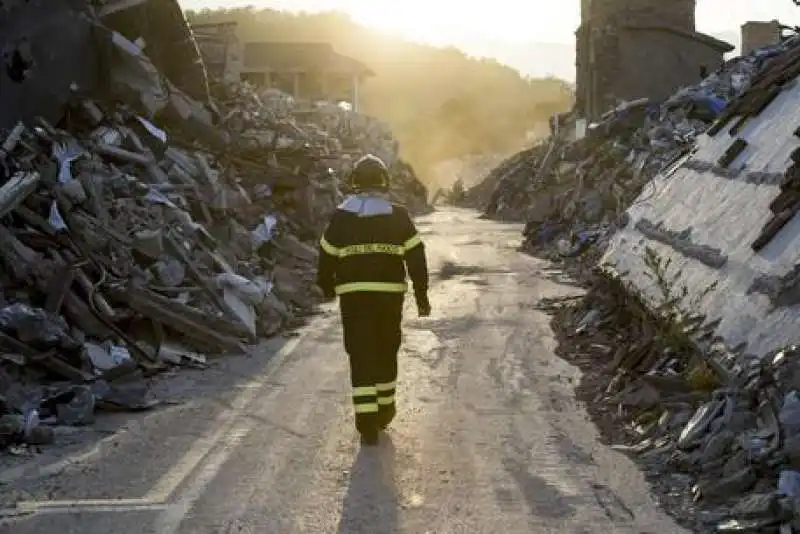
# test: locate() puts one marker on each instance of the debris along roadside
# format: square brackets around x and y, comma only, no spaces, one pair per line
[713,427]
[146,230]
[572,194]
[716,434]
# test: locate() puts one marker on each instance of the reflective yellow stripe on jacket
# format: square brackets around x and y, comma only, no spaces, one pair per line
[412,242]
[327,247]
[370,248]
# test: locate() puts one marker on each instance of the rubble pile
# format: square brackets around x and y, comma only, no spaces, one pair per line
[718,432]
[339,133]
[353,134]
[715,428]
[146,230]
[454,176]
[572,194]
[478,196]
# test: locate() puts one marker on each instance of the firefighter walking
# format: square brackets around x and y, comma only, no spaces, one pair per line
[365,252]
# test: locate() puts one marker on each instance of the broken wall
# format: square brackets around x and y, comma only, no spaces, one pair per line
[706,216]
[168,42]
[47,47]
[677,59]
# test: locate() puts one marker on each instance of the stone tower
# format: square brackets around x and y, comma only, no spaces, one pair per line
[674,13]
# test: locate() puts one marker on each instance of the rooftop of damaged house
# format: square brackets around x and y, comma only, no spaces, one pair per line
[149,217]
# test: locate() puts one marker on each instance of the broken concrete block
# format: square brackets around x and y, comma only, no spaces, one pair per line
[73,191]
[727,487]
[717,446]
[699,423]
[757,506]
[149,242]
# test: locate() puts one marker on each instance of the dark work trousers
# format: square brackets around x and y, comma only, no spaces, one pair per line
[372,335]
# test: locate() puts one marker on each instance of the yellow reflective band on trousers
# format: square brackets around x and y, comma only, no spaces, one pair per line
[370,407]
[364,399]
[365,391]
[376,287]
[386,400]
[387,386]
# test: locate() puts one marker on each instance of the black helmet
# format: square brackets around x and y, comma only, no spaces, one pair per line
[369,172]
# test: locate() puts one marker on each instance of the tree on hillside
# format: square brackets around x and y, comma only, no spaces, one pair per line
[439,102]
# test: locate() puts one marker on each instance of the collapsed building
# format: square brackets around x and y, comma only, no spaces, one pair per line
[147,222]
[308,71]
[681,214]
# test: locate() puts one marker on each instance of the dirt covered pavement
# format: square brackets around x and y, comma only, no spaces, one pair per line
[489,437]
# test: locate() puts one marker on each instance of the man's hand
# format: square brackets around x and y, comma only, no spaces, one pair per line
[423,306]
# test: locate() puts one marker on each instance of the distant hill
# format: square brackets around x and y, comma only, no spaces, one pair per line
[440,102]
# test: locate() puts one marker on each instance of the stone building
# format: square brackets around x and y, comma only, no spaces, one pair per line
[756,34]
[307,71]
[630,49]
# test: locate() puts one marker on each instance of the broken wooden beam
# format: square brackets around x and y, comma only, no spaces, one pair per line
[123,155]
[58,287]
[14,137]
[14,192]
[48,360]
[146,303]
[208,288]
[18,259]
[99,301]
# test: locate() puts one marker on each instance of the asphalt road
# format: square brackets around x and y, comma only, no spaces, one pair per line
[488,438]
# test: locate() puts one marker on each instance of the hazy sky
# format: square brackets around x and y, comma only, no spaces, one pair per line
[501,29]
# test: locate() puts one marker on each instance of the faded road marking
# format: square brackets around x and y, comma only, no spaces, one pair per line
[170,482]
[226,434]
[170,521]
[83,506]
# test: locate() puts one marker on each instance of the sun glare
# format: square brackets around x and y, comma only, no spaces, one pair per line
[413,18]
[443,20]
